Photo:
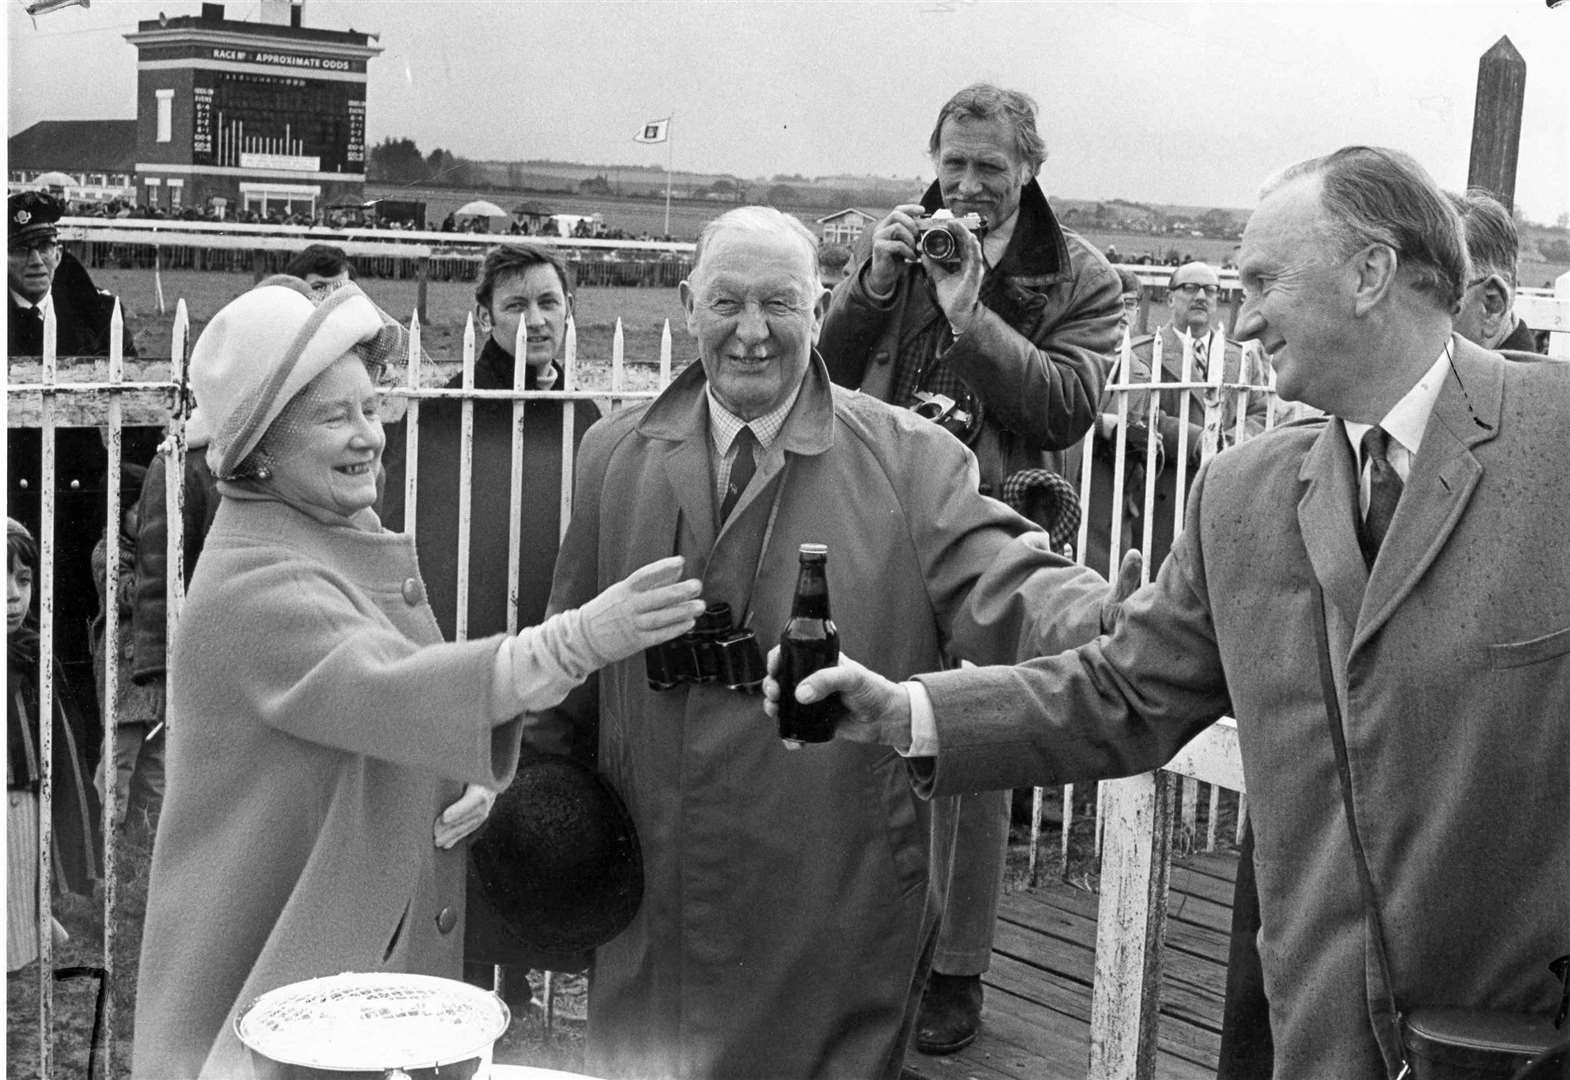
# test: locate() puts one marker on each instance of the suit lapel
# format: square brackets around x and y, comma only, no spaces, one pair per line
[1172,366]
[1445,472]
[1325,520]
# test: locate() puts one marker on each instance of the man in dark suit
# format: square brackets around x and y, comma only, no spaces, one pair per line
[1186,346]
[1407,551]
[1487,316]
[41,276]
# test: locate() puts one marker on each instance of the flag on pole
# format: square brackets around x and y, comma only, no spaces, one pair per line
[653,132]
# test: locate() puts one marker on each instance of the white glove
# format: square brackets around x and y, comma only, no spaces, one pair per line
[651,605]
[536,669]
[464,816]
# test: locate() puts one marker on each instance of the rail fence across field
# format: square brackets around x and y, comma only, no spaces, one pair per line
[1136,818]
[159,245]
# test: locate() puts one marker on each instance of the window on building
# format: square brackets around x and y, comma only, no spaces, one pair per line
[165,115]
[176,194]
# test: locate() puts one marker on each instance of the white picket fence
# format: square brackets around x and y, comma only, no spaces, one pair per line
[1136,816]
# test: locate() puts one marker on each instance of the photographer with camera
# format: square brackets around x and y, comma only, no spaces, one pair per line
[1012,327]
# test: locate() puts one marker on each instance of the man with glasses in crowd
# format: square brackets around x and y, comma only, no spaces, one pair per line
[43,277]
[1193,294]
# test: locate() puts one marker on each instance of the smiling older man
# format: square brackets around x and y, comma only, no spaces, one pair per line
[1392,580]
[786,920]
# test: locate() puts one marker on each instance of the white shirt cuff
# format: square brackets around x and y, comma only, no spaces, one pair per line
[923,724]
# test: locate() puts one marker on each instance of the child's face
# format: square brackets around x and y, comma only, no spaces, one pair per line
[18,593]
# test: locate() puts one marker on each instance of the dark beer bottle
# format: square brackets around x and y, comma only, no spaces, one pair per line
[810,642]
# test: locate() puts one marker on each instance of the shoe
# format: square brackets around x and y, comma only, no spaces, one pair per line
[950,1013]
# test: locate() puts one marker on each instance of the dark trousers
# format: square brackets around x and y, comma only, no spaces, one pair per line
[1246,1048]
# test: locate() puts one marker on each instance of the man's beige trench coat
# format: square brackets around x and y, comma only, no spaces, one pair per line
[786,902]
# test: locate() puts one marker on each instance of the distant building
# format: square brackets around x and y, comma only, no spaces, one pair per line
[265,116]
[846,226]
[97,156]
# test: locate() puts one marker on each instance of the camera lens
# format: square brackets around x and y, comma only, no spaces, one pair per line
[938,245]
[928,410]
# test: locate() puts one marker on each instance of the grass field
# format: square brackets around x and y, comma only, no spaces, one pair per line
[643,312]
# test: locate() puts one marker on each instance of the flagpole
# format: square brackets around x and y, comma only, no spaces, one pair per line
[668,153]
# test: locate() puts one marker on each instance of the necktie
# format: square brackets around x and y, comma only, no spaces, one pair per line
[741,470]
[1384,491]
[1200,344]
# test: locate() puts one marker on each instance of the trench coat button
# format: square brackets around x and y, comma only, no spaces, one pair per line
[447,920]
[75,484]
[25,484]
[413,591]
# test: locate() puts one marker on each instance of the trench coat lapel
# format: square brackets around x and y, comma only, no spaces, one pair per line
[679,420]
[1445,472]
[1325,516]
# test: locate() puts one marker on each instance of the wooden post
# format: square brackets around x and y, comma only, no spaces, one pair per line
[1496,121]
[422,275]
[1125,1001]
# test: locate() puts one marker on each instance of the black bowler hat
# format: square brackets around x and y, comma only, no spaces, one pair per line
[557,863]
[31,215]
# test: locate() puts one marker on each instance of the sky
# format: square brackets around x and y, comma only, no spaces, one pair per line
[1168,102]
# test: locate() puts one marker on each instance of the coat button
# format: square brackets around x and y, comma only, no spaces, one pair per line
[413,591]
[447,920]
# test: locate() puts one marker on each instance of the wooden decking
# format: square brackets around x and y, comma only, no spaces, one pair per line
[1036,1022]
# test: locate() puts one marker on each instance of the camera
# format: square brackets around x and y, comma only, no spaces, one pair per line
[946,413]
[935,236]
[714,650]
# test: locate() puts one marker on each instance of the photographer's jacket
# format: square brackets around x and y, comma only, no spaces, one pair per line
[786,898]
[1032,358]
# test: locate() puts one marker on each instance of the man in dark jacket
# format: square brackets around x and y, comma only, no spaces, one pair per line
[43,278]
[1487,316]
[528,288]
[1012,331]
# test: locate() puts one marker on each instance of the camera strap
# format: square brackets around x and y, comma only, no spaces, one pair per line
[763,548]
[1386,1013]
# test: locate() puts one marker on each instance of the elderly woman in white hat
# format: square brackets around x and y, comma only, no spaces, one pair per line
[326,749]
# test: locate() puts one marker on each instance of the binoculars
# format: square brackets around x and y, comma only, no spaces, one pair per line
[713,651]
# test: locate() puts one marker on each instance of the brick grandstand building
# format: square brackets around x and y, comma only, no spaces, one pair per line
[264,116]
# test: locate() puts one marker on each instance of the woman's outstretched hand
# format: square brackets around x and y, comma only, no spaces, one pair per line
[652,604]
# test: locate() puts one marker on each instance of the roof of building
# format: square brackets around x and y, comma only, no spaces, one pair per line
[847,212]
[212,19]
[75,146]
